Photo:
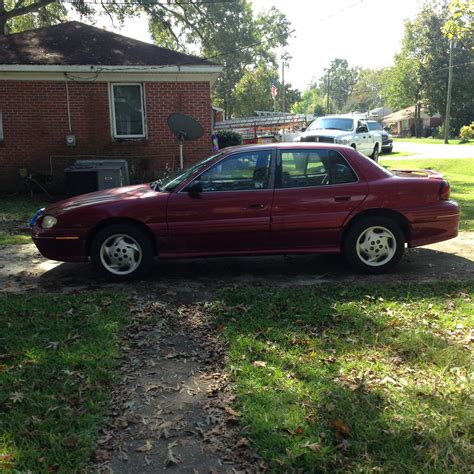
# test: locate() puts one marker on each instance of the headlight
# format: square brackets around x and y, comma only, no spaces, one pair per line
[48,222]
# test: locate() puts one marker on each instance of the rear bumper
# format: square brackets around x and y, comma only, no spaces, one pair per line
[438,223]
[62,245]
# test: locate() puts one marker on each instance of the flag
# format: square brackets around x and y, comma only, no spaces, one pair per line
[274,91]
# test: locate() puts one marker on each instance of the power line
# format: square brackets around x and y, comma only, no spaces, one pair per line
[145,2]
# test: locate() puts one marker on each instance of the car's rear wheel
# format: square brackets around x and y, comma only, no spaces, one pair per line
[122,252]
[375,154]
[374,245]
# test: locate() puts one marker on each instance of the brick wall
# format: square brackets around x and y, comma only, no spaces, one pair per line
[35,124]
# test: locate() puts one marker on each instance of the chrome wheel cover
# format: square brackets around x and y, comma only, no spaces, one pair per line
[120,254]
[376,246]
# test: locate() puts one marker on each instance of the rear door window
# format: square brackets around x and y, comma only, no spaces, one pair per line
[307,168]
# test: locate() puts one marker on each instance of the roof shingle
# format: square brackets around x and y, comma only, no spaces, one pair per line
[75,43]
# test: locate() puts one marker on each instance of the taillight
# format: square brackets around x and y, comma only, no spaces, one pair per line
[444,190]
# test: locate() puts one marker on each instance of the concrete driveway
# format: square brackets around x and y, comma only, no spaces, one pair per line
[422,150]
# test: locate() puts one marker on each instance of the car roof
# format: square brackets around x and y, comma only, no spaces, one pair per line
[280,145]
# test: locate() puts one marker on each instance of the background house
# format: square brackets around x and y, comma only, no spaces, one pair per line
[71,91]
[402,122]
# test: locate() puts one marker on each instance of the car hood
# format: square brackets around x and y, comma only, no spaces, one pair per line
[325,132]
[101,197]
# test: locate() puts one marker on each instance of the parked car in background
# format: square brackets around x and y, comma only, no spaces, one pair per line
[284,198]
[387,139]
[351,130]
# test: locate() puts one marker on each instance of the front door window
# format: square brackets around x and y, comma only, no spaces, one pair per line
[240,172]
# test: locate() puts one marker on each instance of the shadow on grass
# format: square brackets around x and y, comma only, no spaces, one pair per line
[351,379]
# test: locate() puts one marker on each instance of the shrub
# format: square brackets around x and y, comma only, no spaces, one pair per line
[467,132]
[228,138]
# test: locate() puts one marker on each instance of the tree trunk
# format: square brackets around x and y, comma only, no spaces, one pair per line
[3,25]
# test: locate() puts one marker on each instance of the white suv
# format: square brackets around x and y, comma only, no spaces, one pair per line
[349,130]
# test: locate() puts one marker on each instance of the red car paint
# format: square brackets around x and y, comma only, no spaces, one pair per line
[263,221]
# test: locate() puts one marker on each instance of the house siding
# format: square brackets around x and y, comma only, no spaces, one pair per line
[35,124]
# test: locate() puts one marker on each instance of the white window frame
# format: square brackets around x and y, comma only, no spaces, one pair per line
[115,135]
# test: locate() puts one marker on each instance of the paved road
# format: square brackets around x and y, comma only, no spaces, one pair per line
[422,150]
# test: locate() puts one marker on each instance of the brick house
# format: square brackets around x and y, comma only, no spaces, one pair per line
[75,91]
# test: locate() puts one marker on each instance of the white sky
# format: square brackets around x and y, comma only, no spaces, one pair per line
[365,32]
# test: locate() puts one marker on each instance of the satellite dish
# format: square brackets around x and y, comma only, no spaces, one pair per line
[184,127]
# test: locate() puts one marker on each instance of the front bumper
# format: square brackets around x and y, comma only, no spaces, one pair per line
[64,245]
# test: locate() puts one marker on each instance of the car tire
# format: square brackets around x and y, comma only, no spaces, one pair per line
[374,245]
[375,154]
[122,252]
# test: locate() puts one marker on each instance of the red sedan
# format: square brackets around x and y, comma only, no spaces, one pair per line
[251,200]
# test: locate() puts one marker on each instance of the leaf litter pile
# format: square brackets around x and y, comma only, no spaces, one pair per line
[173,406]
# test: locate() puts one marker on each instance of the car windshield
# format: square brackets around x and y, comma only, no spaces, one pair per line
[375,126]
[172,182]
[332,123]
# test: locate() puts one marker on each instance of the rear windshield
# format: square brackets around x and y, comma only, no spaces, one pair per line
[379,166]
[375,126]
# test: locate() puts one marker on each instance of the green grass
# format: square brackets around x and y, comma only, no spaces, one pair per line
[353,379]
[17,211]
[57,361]
[459,173]
[433,141]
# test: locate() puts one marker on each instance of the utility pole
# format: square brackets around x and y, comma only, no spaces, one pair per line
[283,86]
[327,99]
[284,63]
[448,101]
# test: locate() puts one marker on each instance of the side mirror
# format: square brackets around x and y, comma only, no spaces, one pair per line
[303,129]
[194,188]
[360,130]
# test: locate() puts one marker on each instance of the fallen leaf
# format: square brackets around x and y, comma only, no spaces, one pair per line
[311,446]
[171,458]
[6,461]
[17,397]
[101,455]
[242,443]
[259,363]
[53,345]
[105,302]
[148,446]
[341,428]
[122,455]
[231,411]
[299,430]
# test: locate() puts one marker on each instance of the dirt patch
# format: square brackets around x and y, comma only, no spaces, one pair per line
[172,407]
[23,268]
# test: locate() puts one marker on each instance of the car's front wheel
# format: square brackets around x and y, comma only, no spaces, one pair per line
[374,245]
[122,252]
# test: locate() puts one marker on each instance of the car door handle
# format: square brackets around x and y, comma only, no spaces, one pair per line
[256,206]
[342,198]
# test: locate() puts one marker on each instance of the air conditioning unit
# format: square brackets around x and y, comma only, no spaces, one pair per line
[87,176]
